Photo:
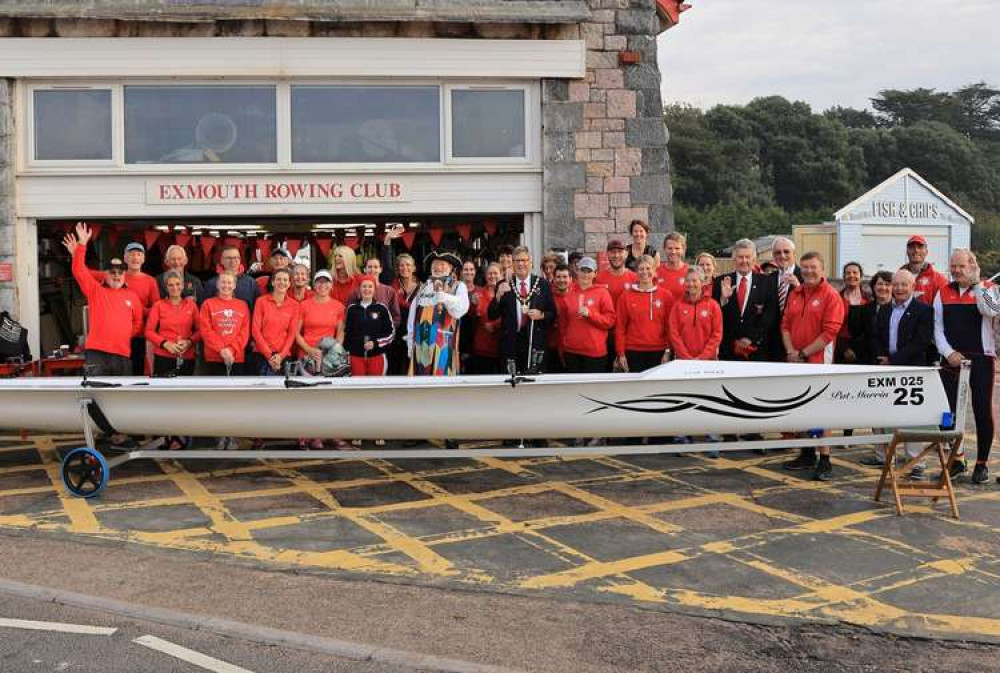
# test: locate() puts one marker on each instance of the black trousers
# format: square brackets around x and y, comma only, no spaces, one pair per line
[553,362]
[99,363]
[138,356]
[478,365]
[582,364]
[219,369]
[640,361]
[980,394]
[168,367]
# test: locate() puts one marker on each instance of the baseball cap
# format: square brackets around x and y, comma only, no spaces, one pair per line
[322,274]
[281,252]
[116,264]
[917,239]
[615,244]
[587,263]
[134,245]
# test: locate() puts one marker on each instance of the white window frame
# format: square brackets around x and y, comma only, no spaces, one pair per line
[29,123]
[530,162]
[532,124]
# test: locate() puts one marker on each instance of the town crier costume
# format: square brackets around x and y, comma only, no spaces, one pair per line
[434,316]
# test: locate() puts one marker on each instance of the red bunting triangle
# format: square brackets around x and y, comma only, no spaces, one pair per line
[163,242]
[352,242]
[464,230]
[408,239]
[293,245]
[264,246]
[490,226]
[182,239]
[436,234]
[324,243]
[150,236]
[207,243]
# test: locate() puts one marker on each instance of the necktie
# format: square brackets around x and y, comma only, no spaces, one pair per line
[782,294]
[524,311]
[741,292]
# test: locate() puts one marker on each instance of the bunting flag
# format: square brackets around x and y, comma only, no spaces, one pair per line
[182,239]
[352,242]
[408,239]
[323,243]
[436,234]
[207,243]
[465,231]
[293,245]
[164,242]
[149,237]
[490,226]
[264,246]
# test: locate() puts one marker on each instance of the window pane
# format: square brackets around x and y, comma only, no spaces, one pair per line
[72,125]
[200,124]
[487,123]
[366,124]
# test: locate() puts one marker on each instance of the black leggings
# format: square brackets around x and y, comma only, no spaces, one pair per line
[640,361]
[980,394]
[168,367]
[582,364]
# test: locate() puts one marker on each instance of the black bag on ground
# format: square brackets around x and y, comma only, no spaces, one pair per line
[13,339]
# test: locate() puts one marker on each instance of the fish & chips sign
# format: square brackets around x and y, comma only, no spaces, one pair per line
[271,191]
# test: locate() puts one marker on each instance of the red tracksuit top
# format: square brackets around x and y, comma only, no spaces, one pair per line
[616,284]
[485,343]
[115,314]
[929,282]
[224,323]
[167,322]
[342,291]
[145,287]
[811,313]
[554,338]
[642,320]
[672,279]
[274,326]
[587,336]
[696,329]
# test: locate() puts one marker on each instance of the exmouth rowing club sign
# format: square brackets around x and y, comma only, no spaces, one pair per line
[187,192]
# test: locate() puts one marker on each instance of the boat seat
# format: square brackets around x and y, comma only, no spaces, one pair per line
[946,445]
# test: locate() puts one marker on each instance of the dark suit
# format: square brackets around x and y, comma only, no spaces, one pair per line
[913,338]
[870,317]
[755,322]
[775,344]
[514,341]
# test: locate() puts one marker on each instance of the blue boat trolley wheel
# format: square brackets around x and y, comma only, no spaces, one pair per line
[84,472]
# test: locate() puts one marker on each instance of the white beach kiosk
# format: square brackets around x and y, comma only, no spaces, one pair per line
[872,230]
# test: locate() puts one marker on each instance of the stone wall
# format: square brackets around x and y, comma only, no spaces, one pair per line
[605,143]
[8,296]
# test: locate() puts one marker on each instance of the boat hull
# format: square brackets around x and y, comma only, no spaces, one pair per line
[680,398]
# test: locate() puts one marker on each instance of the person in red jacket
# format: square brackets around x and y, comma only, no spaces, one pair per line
[562,281]
[115,311]
[485,353]
[813,315]
[586,321]
[172,329]
[225,329]
[275,322]
[642,336]
[345,274]
[929,279]
[673,269]
[695,321]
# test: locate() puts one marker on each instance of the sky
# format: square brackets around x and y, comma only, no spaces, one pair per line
[827,52]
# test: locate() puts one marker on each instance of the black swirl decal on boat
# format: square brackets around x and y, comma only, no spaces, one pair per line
[757,408]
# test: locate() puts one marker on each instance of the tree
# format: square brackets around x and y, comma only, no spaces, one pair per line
[905,108]
[852,118]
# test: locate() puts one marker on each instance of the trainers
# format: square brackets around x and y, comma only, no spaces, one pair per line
[917,472]
[980,474]
[824,470]
[806,460]
[872,461]
[957,468]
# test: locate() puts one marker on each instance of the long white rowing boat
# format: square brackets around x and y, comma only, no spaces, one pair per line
[679,398]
